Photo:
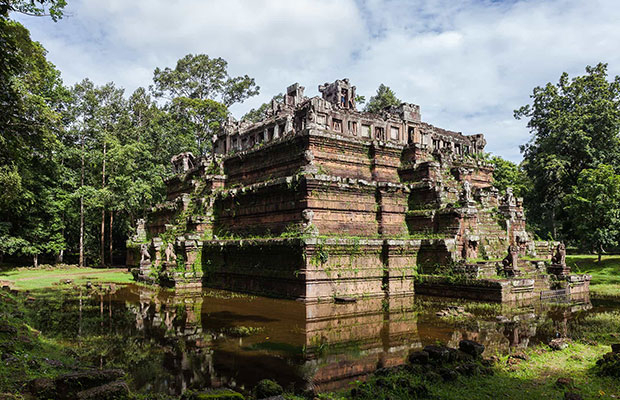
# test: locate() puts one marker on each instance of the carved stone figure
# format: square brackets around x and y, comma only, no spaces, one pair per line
[308,216]
[466,196]
[509,199]
[144,253]
[558,262]
[309,156]
[559,257]
[170,253]
[140,234]
[510,261]
[310,117]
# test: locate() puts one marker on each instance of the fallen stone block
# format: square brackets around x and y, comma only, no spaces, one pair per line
[110,391]
[472,348]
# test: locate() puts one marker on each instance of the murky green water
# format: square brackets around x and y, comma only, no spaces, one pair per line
[170,342]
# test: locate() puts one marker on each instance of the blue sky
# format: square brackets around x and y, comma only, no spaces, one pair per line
[467,63]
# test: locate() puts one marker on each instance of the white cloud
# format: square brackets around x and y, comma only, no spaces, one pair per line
[467,63]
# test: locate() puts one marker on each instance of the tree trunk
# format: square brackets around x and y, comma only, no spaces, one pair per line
[553,229]
[102,252]
[110,236]
[35,260]
[59,256]
[82,211]
[600,253]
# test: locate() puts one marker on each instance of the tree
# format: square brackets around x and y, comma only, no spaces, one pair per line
[508,174]
[199,91]
[594,205]
[385,97]
[37,8]
[203,118]
[201,77]
[97,114]
[31,94]
[575,125]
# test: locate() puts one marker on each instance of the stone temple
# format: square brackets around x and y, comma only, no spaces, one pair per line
[322,202]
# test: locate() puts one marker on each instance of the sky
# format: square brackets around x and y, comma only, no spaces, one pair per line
[467,63]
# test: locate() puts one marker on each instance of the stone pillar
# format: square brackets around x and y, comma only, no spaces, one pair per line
[157,246]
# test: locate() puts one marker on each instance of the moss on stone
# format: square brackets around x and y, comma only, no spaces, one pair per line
[267,388]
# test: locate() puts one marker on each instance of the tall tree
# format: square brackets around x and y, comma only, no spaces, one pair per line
[199,91]
[97,114]
[201,77]
[575,125]
[31,94]
[594,205]
[385,97]
[203,118]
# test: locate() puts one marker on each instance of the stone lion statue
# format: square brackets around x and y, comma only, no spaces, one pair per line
[144,253]
[560,254]
[171,255]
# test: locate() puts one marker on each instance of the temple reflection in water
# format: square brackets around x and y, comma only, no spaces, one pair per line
[223,339]
[169,341]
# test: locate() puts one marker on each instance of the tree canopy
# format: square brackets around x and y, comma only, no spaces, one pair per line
[199,92]
[385,97]
[201,77]
[51,8]
[594,206]
[32,95]
[508,174]
[79,165]
[574,126]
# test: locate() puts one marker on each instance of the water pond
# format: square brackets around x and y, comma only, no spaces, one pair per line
[172,341]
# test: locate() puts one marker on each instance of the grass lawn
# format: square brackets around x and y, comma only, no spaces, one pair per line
[28,278]
[534,378]
[605,275]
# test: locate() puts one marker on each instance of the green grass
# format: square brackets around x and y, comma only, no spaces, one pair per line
[48,276]
[25,351]
[532,379]
[605,275]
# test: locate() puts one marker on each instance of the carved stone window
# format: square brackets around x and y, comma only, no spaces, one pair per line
[394,132]
[353,128]
[337,125]
[411,134]
[379,133]
[365,131]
